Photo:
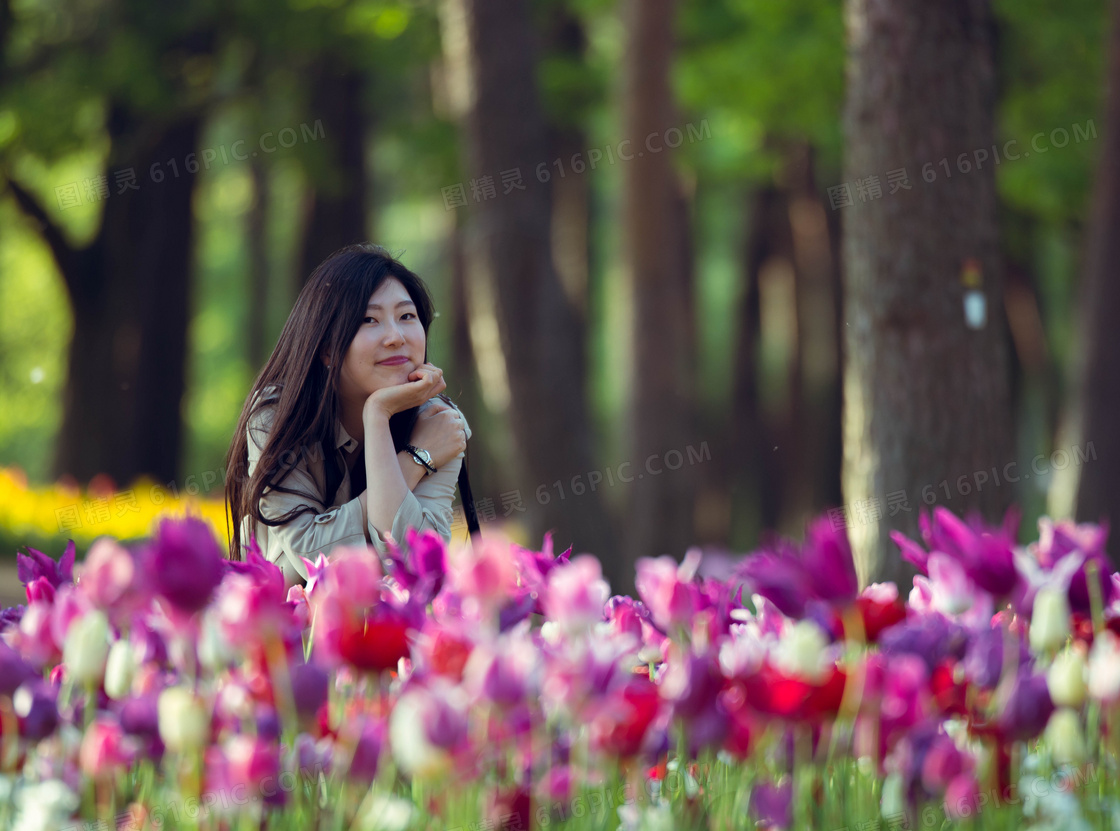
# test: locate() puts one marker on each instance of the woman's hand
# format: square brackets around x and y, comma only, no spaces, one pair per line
[439,430]
[424,382]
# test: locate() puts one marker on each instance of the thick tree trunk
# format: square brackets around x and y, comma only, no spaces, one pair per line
[1098,493]
[130,292]
[926,397]
[661,504]
[335,211]
[509,256]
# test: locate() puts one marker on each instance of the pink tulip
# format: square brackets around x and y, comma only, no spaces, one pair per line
[667,592]
[108,577]
[105,750]
[576,594]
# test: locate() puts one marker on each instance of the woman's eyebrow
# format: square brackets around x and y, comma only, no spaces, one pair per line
[402,303]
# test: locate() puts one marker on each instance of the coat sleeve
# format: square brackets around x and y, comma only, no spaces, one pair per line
[310,532]
[427,506]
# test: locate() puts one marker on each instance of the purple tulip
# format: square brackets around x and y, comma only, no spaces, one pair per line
[1028,708]
[772,805]
[185,563]
[823,569]
[36,564]
[1062,539]
[310,688]
[11,616]
[363,767]
[931,637]
[13,670]
[36,706]
[987,553]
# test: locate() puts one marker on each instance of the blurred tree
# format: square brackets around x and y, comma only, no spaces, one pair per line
[1098,494]
[336,202]
[492,60]
[926,406]
[129,285]
[660,283]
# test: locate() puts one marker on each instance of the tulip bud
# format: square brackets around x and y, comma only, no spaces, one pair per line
[120,669]
[87,647]
[1064,737]
[1049,620]
[801,652]
[184,723]
[1066,679]
[1104,667]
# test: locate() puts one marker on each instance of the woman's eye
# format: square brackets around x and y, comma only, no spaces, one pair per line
[364,319]
[408,314]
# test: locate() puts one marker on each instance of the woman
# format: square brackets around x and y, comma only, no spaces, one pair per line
[343,439]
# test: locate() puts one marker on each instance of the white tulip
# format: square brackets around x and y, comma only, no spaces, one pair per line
[120,669]
[1104,667]
[1064,737]
[87,648]
[801,652]
[1049,620]
[184,722]
[1066,679]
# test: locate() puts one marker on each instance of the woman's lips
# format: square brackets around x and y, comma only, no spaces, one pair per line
[400,359]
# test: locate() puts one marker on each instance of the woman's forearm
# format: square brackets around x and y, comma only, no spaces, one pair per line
[412,472]
[386,485]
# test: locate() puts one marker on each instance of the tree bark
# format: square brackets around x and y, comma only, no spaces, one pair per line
[335,210]
[1098,493]
[489,45]
[658,266]
[926,398]
[130,295]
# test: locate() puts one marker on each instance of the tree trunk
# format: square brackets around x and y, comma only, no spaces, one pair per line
[130,293]
[509,256]
[658,266]
[335,212]
[256,233]
[1098,493]
[926,398]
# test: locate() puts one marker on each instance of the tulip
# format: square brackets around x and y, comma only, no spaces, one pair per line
[107,574]
[105,750]
[802,653]
[35,705]
[772,805]
[120,669]
[13,669]
[427,725]
[367,751]
[1104,667]
[184,722]
[1065,738]
[1066,678]
[36,564]
[251,761]
[962,797]
[1028,707]
[87,648]
[576,594]
[310,688]
[667,591]
[185,563]
[1049,620]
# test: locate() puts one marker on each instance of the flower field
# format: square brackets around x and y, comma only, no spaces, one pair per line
[496,687]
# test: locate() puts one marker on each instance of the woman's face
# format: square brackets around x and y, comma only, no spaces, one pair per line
[390,344]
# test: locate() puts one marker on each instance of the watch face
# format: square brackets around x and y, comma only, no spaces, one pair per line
[425,455]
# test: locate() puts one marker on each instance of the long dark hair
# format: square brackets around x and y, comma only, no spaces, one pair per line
[324,321]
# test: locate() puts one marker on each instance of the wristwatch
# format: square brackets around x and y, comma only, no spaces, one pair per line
[421,457]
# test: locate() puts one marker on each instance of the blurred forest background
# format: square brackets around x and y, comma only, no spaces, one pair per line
[759,300]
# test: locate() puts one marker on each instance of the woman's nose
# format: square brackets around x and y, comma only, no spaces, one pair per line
[393,334]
